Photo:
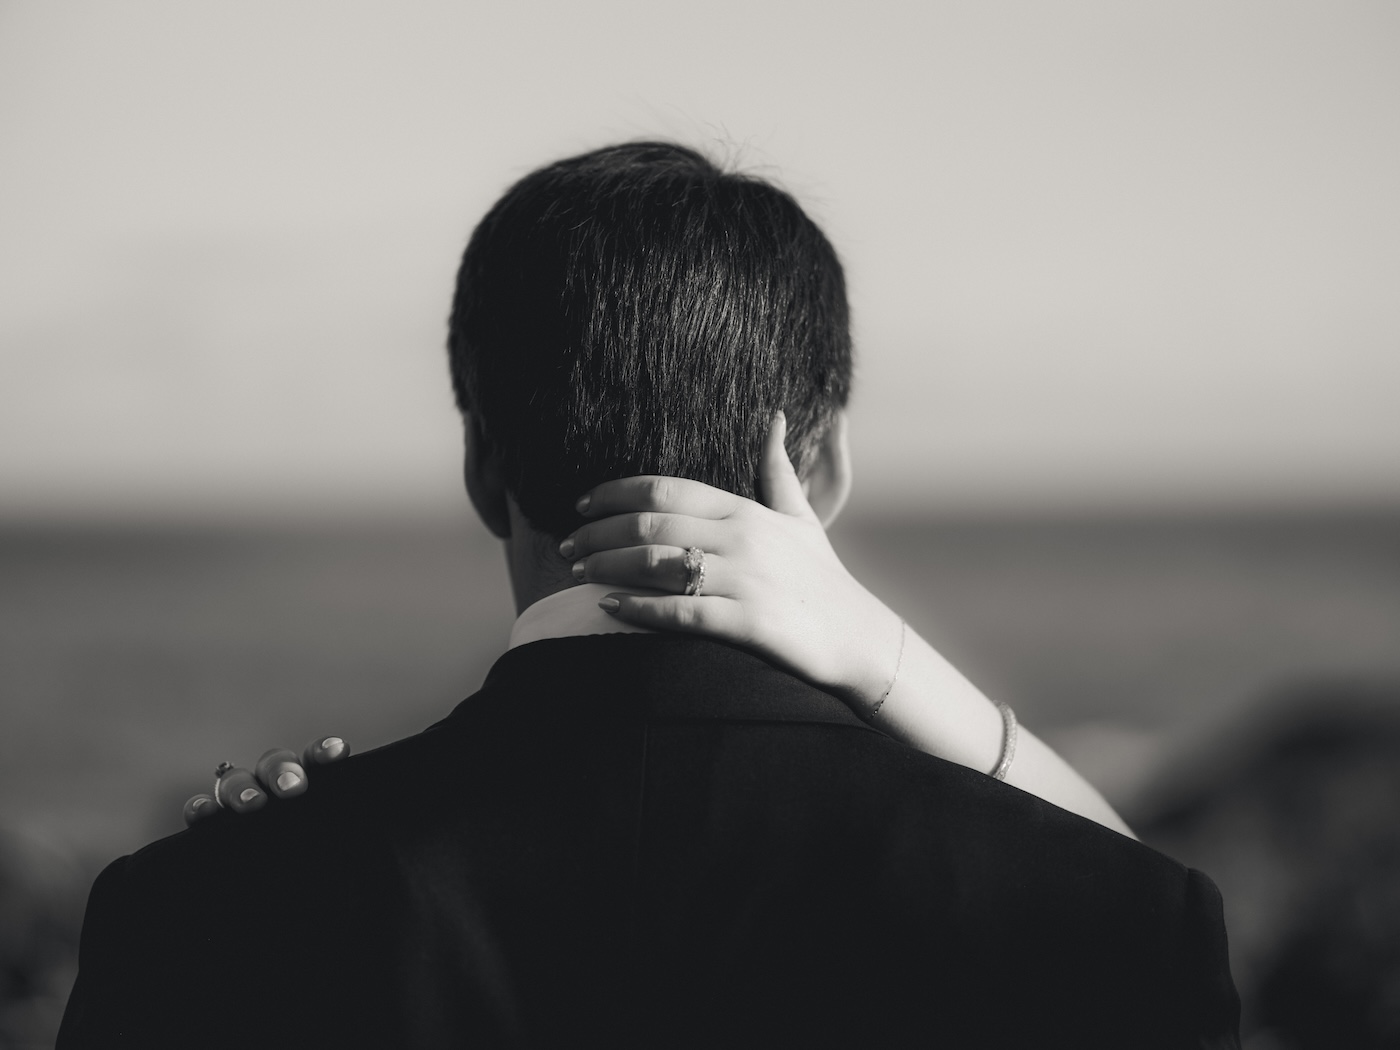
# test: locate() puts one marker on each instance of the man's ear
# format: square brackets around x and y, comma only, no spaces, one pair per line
[486,485]
[828,483]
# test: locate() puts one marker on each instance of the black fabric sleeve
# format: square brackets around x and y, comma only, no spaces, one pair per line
[101,993]
[1208,991]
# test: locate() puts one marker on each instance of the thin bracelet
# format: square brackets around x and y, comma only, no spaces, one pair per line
[899,661]
[1008,741]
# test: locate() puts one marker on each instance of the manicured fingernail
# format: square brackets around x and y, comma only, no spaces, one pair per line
[580,567]
[583,501]
[248,794]
[567,548]
[332,746]
[609,605]
[288,780]
[198,803]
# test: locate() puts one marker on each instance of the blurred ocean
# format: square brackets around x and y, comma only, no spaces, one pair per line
[1155,653]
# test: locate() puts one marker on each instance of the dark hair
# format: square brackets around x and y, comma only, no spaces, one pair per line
[637,310]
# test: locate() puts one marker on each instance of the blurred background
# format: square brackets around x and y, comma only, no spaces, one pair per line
[1125,281]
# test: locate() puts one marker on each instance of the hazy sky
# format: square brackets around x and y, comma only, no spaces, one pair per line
[1099,253]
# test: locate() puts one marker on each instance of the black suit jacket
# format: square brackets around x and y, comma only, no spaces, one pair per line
[653,841]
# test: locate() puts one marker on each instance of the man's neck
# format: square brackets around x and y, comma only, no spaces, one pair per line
[536,567]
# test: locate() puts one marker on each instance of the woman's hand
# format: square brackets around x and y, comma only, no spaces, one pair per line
[772,582]
[278,774]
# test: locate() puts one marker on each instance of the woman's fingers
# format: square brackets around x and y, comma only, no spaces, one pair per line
[239,791]
[280,773]
[778,481]
[654,492]
[197,807]
[639,530]
[324,750]
[711,616]
[653,567]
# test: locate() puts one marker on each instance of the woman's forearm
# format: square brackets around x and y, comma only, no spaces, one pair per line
[779,590]
[932,707]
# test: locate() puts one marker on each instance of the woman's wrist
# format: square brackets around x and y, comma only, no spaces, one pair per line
[870,653]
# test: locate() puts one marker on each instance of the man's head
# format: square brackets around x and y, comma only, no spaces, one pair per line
[636,310]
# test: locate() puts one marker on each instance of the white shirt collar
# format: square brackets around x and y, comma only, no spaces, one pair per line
[569,612]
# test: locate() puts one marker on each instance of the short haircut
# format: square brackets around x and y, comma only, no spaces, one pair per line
[638,310]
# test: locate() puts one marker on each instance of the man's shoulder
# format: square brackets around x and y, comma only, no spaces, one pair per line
[344,809]
[242,918]
[930,824]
